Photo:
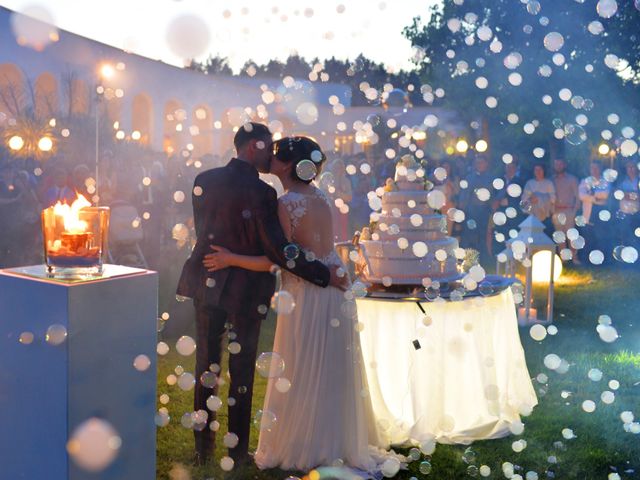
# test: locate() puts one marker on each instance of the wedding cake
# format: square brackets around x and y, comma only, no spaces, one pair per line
[407,241]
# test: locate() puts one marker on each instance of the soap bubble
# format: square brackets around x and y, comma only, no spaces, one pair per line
[307,113]
[141,363]
[607,334]
[283,385]
[94,445]
[208,379]
[34,27]
[226,463]
[420,249]
[428,446]
[56,334]
[469,456]
[265,420]
[390,467]
[186,345]
[283,302]
[230,440]
[188,36]
[589,406]
[552,361]
[553,41]
[538,332]
[186,381]
[270,365]
[425,467]
[162,348]
[608,397]
[214,403]
[574,134]
[436,199]
[595,375]
[26,338]
[607,8]
[596,257]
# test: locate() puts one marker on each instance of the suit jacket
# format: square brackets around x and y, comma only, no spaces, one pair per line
[238,211]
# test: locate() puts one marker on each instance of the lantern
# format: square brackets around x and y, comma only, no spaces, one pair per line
[531,257]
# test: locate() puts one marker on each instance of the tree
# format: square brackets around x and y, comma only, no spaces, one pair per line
[504,60]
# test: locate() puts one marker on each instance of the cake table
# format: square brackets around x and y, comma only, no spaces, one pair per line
[456,372]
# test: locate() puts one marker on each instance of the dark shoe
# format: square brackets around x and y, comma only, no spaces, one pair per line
[200,459]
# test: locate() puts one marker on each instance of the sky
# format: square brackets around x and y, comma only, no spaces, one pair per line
[170,30]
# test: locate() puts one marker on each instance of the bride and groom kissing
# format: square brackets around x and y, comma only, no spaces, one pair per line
[245,235]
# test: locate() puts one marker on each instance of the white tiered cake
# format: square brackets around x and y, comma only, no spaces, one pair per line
[409,242]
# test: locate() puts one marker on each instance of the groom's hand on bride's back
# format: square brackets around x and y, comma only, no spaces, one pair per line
[339,278]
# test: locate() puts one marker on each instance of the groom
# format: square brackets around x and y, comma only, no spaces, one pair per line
[233,208]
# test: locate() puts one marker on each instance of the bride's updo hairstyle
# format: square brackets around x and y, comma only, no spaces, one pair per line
[304,153]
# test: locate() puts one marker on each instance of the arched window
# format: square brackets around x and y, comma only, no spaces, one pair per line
[12,90]
[46,98]
[142,117]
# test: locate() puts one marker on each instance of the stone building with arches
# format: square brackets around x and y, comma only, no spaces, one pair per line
[173,109]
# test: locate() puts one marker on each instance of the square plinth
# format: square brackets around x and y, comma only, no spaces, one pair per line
[47,390]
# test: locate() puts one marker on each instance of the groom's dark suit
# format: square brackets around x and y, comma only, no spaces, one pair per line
[233,208]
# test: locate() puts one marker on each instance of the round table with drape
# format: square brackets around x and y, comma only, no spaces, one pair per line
[456,373]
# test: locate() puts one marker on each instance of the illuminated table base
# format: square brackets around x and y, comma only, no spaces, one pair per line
[47,390]
[459,379]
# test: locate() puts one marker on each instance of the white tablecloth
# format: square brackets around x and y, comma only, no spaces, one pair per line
[467,381]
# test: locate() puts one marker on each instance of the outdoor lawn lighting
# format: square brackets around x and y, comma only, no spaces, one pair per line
[462,146]
[45,144]
[16,142]
[531,257]
[603,149]
[481,146]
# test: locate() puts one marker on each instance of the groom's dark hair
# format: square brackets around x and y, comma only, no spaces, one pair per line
[250,131]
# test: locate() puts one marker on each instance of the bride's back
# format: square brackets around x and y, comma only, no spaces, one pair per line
[310,222]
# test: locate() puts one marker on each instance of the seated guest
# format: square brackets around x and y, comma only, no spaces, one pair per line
[539,196]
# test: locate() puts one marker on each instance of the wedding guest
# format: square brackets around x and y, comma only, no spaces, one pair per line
[540,195]
[9,198]
[79,178]
[476,208]
[508,202]
[340,190]
[60,190]
[448,186]
[567,201]
[629,207]
[594,193]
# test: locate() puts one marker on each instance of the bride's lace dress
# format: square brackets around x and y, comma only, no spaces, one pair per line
[326,416]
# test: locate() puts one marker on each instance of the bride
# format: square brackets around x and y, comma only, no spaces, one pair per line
[325,418]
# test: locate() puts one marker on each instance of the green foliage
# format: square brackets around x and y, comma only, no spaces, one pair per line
[454,59]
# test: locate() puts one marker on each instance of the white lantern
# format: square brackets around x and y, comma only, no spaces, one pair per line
[531,257]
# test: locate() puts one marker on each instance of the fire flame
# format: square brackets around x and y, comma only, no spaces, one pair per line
[71,214]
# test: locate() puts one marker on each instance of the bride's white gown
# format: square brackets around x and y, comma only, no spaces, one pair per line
[326,415]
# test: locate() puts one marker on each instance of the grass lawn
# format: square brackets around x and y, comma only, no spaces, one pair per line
[601,445]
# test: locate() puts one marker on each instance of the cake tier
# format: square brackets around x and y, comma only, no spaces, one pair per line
[411,186]
[433,227]
[401,199]
[386,259]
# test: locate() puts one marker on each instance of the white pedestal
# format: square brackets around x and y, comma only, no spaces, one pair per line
[46,391]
